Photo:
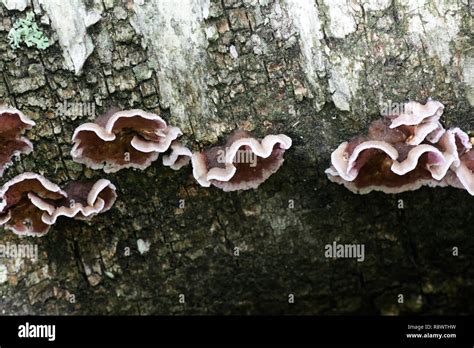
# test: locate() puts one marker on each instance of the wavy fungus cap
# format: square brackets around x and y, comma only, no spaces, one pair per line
[123,139]
[402,153]
[244,162]
[12,123]
[420,120]
[85,199]
[25,199]
[463,170]
[376,165]
[179,156]
[31,203]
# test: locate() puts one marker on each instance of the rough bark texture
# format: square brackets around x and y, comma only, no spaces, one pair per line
[316,70]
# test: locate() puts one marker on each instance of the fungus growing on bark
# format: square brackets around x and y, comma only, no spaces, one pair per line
[420,120]
[465,173]
[84,200]
[402,153]
[25,200]
[122,139]
[377,165]
[463,166]
[31,203]
[242,163]
[12,123]
[178,157]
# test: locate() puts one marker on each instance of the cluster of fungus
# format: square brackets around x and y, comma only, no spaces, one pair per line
[404,152]
[242,163]
[12,124]
[122,139]
[401,152]
[135,138]
[30,203]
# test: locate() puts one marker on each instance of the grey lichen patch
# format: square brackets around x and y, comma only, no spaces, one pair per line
[344,81]
[32,81]
[19,5]
[105,45]
[121,81]
[181,64]
[70,19]
[467,67]
[376,5]
[435,26]
[142,72]
[340,17]
[305,18]
[3,273]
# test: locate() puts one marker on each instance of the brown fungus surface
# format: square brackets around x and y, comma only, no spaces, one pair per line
[242,163]
[84,200]
[31,203]
[123,139]
[12,124]
[25,200]
[403,153]
[464,172]
[178,157]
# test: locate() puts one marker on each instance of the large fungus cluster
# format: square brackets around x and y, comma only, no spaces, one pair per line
[400,152]
[30,203]
[122,139]
[404,152]
[12,124]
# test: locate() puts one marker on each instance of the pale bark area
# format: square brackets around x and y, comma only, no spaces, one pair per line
[316,70]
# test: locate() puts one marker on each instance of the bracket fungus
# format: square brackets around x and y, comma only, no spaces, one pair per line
[25,200]
[84,200]
[420,121]
[404,152]
[12,123]
[122,139]
[31,203]
[242,163]
[179,156]
[463,167]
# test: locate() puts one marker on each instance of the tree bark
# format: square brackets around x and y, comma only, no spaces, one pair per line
[317,70]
